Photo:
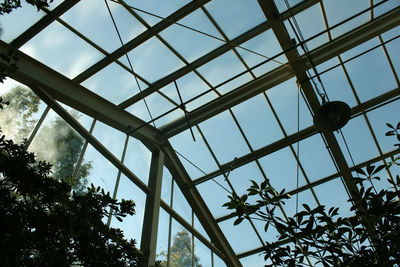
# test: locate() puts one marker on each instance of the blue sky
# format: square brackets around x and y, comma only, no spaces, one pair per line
[370,76]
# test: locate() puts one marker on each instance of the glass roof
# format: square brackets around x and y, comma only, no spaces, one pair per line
[212,85]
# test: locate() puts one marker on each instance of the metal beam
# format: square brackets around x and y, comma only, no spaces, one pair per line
[141,38]
[88,136]
[294,138]
[57,86]
[281,74]
[32,72]
[300,71]
[262,27]
[199,207]
[148,244]
[43,23]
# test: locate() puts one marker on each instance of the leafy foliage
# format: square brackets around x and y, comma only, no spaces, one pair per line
[56,142]
[370,238]
[181,252]
[42,224]
[9,5]
[17,120]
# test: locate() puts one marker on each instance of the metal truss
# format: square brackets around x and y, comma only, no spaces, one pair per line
[52,86]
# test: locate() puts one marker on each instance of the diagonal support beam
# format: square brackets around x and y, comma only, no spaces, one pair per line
[162,25]
[43,23]
[300,71]
[281,74]
[32,72]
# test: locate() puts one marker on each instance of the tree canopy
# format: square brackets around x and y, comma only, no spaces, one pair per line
[369,238]
[56,142]
[43,224]
[181,252]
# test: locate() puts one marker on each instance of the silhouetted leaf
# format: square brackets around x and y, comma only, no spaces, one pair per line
[237,221]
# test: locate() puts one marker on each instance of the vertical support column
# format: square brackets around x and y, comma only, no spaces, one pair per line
[150,221]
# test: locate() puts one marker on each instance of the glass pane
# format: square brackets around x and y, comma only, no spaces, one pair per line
[89,18]
[181,246]
[237,233]
[102,173]
[255,260]
[281,169]
[284,101]
[374,80]
[115,89]
[59,144]
[337,199]
[379,118]
[180,205]
[153,60]
[359,141]
[263,46]
[240,17]
[196,152]
[336,84]
[189,43]
[215,195]
[315,158]
[67,54]
[257,121]
[223,68]
[12,25]
[132,224]
[111,138]
[162,9]
[310,22]
[166,188]
[202,253]
[392,47]
[291,208]
[337,11]
[162,237]
[240,177]
[224,137]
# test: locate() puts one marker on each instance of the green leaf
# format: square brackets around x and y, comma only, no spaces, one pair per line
[307,207]
[238,220]
[266,226]
[389,125]
[370,169]
[390,133]
[360,171]
[379,168]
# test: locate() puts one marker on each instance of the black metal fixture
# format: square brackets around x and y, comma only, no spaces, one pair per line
[332,116]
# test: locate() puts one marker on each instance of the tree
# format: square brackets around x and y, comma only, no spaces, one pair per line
[370,238]
[43,224]
[9,5]
[16,120]
[181,252]
[56,142]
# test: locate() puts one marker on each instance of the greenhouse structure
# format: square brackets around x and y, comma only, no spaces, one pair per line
[181,103]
